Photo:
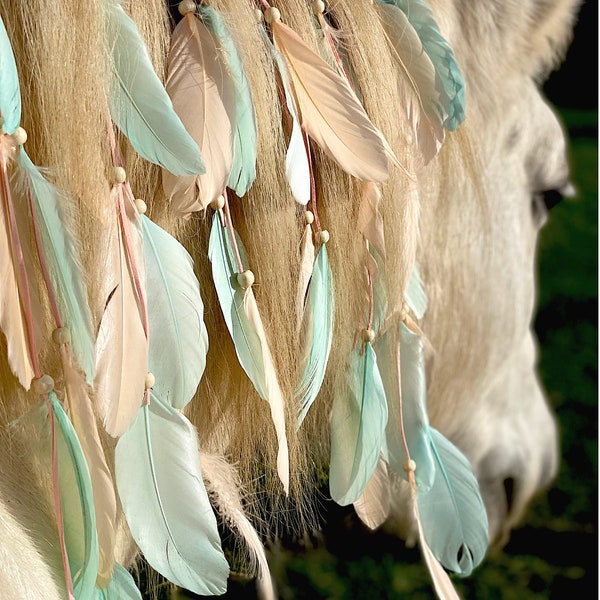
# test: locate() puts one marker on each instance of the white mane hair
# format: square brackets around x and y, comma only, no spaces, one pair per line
[466,218]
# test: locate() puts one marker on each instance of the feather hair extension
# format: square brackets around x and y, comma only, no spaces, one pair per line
[203,95]
[159,480]
[76,498]
[243,171]
[122,344]
[178,336]
[318,331]
[329,111]
[246,329]
[297,159]
[61,255]
[449,82]
[139,104]
[358,419]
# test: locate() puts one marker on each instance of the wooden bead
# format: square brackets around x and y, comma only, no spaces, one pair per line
[368,335]
[19,136]
[61,335]
[258,14]
[150,381]
[42,385]
[187,6]
[410,465]
[218,203]
[272,14]
[318,7]
[245,279]
[119,175]
[308,217]
[323,236]
[141,206]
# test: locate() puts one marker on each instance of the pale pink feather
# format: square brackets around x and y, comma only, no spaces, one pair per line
[373,506]
[307,259]
[121,345]
[330,112]
[12,322]
[203,96]
[274,395]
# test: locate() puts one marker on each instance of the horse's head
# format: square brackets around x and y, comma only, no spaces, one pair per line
[478,250]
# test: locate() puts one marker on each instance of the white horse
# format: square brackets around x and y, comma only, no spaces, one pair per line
[478,213]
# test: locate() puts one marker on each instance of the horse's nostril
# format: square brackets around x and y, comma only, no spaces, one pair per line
[509,492]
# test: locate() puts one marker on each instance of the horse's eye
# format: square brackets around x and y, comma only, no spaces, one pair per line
[543,202]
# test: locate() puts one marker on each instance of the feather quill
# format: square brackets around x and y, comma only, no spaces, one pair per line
[77,500]
[121,345]
[373,506]
[139,104]
[204,97]
[159,480]
[449,82]
[223,485]
[178,336]
[358,420]
[330,112]
[10,95]
[247,332]
[318,330]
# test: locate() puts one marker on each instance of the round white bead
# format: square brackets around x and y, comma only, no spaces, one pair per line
[19,136]
[323,236]
[410,465]
[119,175]
[187,6]
[272,14]
[309,217]
[61,335]
[245,279]
[42,385]
[150,381]
[218,203]
[258,15]
[141,206]
[318,7]
[368,335]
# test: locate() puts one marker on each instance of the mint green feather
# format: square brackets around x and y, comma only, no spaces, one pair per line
[159,480]
[10,94]
[248,345]
[139,104]
[77,502]
[243,171]
[121,587]
[415,295]
[450,83]
[452,512]
[358,419]
[318,328]
[414,409]
[62,256]
[178,336]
